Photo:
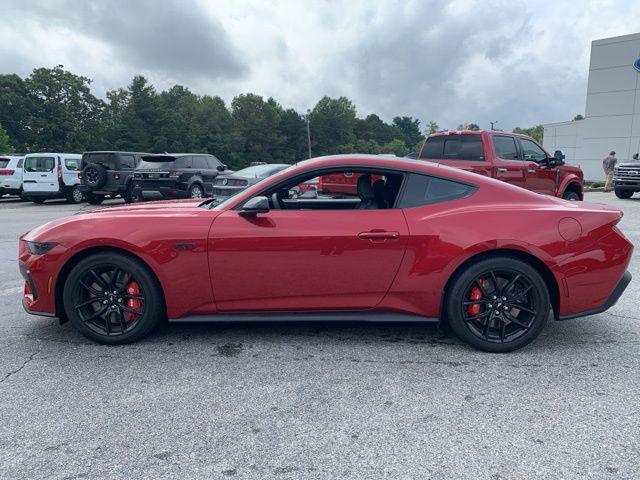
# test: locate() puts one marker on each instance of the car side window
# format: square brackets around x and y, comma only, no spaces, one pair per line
[184,162]
[200,162]
[212,162]
[127,162]
[424,190]
[20,162]
[72,164]
[506,147]
[463,147]
[531,151]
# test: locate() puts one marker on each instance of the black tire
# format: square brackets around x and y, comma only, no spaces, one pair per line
[571,195]
[129,195]
[75,196]
[93,199]
[196,191]
[623,193]
[113,326]
[94,175]
[498,325]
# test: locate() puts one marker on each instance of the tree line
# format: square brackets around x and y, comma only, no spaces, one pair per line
[54,110]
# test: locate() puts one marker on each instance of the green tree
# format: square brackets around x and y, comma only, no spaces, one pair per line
[396,146]
[293,129]
[66,116]
[534,132]
[432,127]
[16,110]
[468,126]
[5,147]
[578,117]
[332,124]
[410,128]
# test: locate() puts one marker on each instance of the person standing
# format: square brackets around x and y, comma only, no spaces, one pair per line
[608,164]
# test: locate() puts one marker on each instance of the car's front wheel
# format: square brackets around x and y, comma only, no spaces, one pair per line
[498,304]
[93,199]
[196,191]
[113,298]
[623,193]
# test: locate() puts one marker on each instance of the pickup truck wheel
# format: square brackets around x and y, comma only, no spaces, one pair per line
[498,304]
[623,193]
[571,195]
[75,195]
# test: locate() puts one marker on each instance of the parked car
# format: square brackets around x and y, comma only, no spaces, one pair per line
[510,157]
[108,174]
[626,179]
[11,174]
[225,186]
[178,175]
[51,175]
[433,243]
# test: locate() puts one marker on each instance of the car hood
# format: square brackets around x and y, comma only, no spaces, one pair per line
[635,164]
[148,206]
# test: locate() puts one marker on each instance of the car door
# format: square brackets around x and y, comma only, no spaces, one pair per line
[303,260]
[508,165]
[40,173]
[204,164]
[541,177]
[70,167]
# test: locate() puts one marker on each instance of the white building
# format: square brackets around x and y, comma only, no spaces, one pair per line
[612,113]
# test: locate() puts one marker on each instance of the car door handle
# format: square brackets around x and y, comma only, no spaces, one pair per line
[374,235]
[44,175]
[502,170]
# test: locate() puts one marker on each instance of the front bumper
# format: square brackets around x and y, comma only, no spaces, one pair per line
[610,302]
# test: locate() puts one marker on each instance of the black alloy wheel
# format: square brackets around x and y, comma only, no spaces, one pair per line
[498,304]
[196,191]
[112,298]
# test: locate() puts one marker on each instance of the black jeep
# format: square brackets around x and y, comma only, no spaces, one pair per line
[177,175]
[108,173]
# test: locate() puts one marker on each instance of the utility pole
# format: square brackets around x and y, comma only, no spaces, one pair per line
[492,124]
[308,132]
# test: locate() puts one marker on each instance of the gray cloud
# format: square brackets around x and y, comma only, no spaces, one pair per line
[175,38]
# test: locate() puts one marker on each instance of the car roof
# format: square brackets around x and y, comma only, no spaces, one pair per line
[115,151]
[40,154]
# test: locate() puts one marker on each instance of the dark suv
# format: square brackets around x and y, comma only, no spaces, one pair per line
[177,175]
[108,173]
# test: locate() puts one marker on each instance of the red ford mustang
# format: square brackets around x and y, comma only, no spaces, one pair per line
[420,242]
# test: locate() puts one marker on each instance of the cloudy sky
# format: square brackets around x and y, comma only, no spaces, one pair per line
[518,62]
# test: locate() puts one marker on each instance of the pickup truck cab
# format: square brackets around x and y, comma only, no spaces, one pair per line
[510,157]
[51,175]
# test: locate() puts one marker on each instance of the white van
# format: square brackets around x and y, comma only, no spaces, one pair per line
[51,175]
[11,174]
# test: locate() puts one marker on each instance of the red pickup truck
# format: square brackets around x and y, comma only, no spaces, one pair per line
[510,157]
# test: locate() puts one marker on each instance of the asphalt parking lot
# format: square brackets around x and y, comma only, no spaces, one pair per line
[315,400]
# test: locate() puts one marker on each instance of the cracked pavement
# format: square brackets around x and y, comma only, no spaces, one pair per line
[315,400]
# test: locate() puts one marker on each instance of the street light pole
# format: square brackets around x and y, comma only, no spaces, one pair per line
[308,133]
[492,124]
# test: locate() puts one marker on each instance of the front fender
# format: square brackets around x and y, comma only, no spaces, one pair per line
[566,181]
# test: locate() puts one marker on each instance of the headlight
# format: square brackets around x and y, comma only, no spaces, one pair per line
[40,248]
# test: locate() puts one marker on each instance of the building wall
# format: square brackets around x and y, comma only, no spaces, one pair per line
[612,113]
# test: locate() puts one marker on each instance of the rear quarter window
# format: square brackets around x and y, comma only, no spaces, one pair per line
[72,164]
[3,162]
[107,160]
[424,190]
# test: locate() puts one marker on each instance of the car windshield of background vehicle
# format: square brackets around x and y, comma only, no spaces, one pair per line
[39,164]
[531,151]
[505,147]
[258,171]
[107,160]
[463,147]
[72,164]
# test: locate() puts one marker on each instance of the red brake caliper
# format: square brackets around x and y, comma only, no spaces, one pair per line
[133,289]
[476,294]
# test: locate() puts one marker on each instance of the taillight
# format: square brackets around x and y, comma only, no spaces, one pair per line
[79,174]
[116,176]
[6,172]
[60,173]
[174,174]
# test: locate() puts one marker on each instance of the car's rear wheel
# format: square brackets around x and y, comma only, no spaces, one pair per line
[571,195]
[93,199]
[498,304]
[75,195]
[623,193]
[113,298]
[195,191]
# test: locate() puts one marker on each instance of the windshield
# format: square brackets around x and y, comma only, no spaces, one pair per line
[259,171]
[39,164]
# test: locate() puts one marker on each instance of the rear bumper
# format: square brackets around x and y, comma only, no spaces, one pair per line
[610,302]
[166,191]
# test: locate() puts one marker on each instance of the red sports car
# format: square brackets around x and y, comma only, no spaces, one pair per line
[420,242]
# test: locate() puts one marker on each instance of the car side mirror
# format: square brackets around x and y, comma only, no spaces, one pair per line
[255,206]
[545,162]
[559,156]
[221,168]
